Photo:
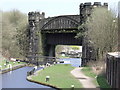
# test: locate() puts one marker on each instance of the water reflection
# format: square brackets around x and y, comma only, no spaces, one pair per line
[75,62]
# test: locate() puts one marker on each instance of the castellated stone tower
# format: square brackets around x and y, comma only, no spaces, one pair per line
[34,19]
[86,9]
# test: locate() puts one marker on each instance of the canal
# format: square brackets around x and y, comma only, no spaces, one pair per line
[75,62]
[17,78]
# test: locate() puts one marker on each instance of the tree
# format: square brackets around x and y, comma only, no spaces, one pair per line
[14,24]
[75,48]
[102,31]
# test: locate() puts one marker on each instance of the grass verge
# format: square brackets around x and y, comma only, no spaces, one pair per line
[60,76]
[63,57]
[100,81]
[10,62]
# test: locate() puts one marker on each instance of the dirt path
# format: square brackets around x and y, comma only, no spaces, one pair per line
[85,81]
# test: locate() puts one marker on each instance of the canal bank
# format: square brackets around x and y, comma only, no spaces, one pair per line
[34,81]
[12,68]
[60,76]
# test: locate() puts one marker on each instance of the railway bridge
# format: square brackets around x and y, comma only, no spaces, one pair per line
[46,33]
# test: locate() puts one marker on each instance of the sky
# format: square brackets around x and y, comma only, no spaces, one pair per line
[50,7]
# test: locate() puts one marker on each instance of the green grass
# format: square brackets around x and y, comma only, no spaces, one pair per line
[60,76]
[88,72]
[100,81]
[63,56]
[10,62]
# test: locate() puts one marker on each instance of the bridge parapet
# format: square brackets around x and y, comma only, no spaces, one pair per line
[87,4]
[60,22]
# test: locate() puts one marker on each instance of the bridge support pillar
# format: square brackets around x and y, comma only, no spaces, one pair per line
[49,50]
[84,55]
[52,51]
[88,54]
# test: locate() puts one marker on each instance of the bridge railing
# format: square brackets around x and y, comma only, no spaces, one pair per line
[43,61]
[113,69]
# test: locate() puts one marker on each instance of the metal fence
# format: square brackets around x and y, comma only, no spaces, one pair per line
[113,69]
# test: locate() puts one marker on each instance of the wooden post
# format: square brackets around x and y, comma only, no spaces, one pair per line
[118,70]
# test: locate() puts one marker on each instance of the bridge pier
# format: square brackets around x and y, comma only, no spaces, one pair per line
[52,51]
[49,50]
[88,52]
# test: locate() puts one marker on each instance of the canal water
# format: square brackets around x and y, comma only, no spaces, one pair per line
[75,62]
[17,79]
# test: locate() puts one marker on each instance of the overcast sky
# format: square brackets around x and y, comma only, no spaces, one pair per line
[50,7]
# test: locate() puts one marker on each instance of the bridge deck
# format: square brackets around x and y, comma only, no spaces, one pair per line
[60,23]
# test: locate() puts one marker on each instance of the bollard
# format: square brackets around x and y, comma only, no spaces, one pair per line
[47,64]
[18,61]
[47,78]
[10,66]
[72,86]
[5,65]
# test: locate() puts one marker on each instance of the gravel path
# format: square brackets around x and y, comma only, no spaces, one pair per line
[85,81]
